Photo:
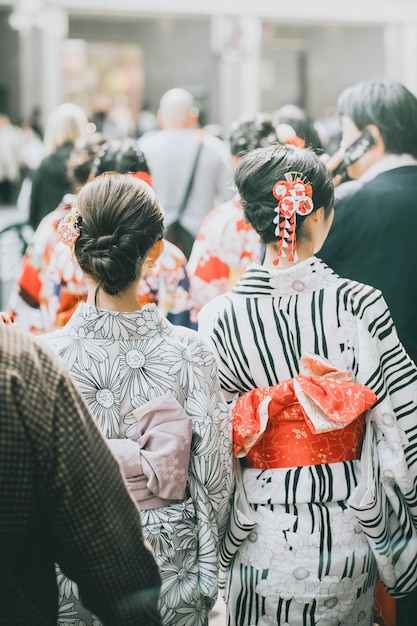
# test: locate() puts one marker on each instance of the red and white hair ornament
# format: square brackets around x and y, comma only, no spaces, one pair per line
[294,195]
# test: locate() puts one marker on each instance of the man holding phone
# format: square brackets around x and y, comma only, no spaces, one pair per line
[373,235]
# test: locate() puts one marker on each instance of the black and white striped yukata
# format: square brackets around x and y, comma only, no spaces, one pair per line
[307,562]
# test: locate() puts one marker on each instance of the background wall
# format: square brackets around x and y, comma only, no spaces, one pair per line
[176,52]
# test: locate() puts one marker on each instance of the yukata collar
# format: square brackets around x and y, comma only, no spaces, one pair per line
[307,276]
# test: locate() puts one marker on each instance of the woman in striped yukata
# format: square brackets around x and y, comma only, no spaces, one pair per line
[309,360]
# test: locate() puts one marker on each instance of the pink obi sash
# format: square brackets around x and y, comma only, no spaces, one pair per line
[314,418]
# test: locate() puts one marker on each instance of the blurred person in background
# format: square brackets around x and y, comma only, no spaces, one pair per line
[63,499]
[32,153]
[154,391]
[172,154]
[303,126]
[11,140]
[166,284]
[26,298]
[328,128]
[50,182]
[226,243]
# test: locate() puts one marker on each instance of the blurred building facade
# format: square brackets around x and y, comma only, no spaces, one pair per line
[237,56]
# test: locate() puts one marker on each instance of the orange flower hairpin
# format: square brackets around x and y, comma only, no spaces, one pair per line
[294,197]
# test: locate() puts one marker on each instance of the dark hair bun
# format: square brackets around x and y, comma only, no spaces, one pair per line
[251,133]
[121,221]
[260,169]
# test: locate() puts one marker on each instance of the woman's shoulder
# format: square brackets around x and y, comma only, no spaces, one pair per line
[359,297]
[189,339]
[54,339]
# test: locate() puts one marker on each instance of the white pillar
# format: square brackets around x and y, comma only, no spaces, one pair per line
[54,30]
[236,41]
[401,53]
[26,73]
[410,56]
[250,68]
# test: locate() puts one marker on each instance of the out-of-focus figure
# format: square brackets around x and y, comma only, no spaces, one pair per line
[50,182]
[226,243]
[10,160]
[174,152]
[63,500]
[303,126]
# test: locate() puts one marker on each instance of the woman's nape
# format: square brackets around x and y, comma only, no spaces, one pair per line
[294,222]
[121,229]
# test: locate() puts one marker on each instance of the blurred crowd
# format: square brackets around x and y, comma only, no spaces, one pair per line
[46,167]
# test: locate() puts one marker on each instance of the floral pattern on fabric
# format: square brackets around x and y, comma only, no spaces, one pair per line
[124,373]
[225,246]
[166,285]
[24,303]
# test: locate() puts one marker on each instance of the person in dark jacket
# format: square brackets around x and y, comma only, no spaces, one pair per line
[50,182]
[372,238]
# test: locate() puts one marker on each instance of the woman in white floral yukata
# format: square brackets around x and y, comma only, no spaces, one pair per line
[325,421]
[153,389]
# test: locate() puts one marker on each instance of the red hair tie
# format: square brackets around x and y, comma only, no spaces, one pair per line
[145,176]
[294,196]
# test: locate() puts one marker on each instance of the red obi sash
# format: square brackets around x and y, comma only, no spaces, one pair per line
[306,420]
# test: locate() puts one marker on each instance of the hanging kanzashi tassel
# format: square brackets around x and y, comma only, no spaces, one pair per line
[294,197]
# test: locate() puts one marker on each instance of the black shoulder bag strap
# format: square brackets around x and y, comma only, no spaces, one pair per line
[191,179]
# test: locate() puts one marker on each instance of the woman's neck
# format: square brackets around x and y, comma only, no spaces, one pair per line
[122,302]
[304,252]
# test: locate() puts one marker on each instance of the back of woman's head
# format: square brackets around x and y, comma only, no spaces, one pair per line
[82,158]
[259,171]
[120,220]
[124,157]
[387,104]
[67,123]
[292,115]
[254,132]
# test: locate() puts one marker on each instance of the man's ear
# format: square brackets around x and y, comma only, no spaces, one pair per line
[375,132]
[161,118]
[193,117]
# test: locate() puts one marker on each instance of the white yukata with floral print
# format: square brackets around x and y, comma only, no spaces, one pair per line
[119,362]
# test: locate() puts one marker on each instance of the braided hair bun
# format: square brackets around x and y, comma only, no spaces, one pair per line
[121,220]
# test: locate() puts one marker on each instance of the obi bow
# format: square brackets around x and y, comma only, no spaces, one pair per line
[155,455]
[321,397]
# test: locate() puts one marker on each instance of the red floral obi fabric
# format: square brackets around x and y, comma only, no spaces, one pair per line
[314,418]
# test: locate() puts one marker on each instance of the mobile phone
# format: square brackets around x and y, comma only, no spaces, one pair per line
[356,150]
